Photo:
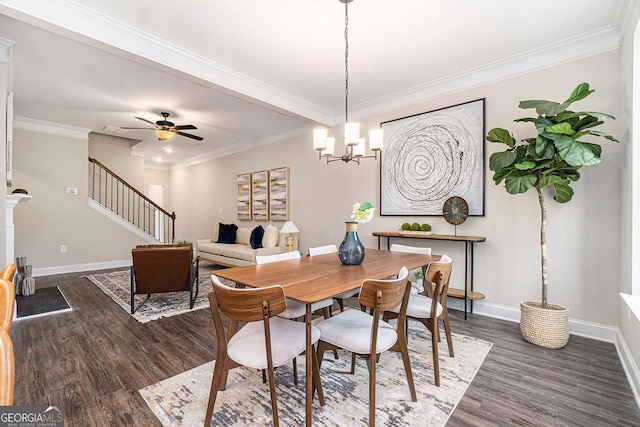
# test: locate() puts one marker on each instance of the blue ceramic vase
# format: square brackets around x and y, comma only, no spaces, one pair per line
[351,250]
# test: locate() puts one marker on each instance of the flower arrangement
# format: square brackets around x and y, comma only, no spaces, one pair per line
[362,212]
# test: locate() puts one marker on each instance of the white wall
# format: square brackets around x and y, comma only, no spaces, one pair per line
[507,266]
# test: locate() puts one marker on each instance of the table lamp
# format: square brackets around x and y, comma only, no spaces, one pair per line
[289,227]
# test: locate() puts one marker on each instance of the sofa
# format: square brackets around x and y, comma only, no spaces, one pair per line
[235,246]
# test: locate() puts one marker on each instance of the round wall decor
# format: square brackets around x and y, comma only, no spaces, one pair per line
[455,210]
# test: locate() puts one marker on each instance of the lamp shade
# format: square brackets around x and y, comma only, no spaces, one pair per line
[319,139]
[289,227]
[331,143]
[164,134]
[351,134]
[375,139]
[359,149]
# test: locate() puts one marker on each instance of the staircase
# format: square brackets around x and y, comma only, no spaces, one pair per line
[114,197]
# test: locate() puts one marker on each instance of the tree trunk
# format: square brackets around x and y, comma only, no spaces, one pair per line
[543,245]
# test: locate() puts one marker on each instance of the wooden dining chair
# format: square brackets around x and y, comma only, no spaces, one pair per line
[428,310]
[330,249]
[367,335]
[295,309]
[266,341]
[417,287]
[7,303]
[7,369]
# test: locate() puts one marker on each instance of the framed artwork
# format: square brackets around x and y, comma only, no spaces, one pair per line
[260,195]
[432,156]
[279,194]
[244,196]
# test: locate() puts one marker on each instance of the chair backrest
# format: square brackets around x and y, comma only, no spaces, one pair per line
[162,268]
[284,256]
[246,304]
[385,294]
[439,273]
[410,249]
[7,369]
[321,250]
[8,271]
[7,303]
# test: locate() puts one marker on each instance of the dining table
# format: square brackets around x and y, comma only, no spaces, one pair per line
[311,279]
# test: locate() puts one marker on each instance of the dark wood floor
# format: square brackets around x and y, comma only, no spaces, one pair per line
[94,360]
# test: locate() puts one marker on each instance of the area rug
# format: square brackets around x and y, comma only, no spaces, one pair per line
[117,285]
[43,302]
[182,400]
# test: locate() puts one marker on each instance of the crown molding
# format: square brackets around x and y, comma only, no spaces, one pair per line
[50,128]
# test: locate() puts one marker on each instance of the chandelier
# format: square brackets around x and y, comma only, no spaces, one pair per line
[354,149]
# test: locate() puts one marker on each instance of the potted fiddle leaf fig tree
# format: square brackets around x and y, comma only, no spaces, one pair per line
[548,161]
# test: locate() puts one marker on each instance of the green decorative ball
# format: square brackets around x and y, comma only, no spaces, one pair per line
[425,227]
[406,226]
[415,227]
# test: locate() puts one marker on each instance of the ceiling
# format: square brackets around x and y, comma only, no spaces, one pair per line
[246,74]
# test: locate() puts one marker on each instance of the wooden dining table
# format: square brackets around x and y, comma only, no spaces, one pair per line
[313,278]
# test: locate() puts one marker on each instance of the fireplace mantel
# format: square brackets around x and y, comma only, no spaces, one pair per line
[11,202]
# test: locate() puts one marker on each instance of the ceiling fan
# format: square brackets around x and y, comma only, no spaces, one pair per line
[166,130]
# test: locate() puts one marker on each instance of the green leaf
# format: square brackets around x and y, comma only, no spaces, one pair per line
[544,149]
[501,160]
[520,184]
[526,119]
[501,135]
[580,92]
[599,116]
[501,174]
[525,166]
[563,191]
[602,134]
[366,205]
[544,108]
[548,180]
[564,128]
[575,152]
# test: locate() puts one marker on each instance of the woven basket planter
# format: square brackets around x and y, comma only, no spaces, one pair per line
[544,327]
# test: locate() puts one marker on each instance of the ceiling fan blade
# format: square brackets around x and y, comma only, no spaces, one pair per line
[145,120]
[185,127]
[188,135]
[128,127]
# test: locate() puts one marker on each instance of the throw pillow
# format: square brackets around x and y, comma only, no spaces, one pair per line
[270,238]
[243,236]
[256,237]
[227,233]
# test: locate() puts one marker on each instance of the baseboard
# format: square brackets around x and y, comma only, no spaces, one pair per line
[576,327]
[628,365]
[48,271]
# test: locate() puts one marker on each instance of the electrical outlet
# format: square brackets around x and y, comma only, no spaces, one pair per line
[220,211]
[63,249]
[72,191]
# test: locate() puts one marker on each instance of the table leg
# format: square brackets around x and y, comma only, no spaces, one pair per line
[308,367]
[466,278]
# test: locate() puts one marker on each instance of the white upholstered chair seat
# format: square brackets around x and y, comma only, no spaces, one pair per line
[247,346]
[419,306]
[297,309]
[351,330]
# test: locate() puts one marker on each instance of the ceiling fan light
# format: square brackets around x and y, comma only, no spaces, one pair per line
[165,134]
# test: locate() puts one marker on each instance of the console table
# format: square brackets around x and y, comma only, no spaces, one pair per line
[467,294]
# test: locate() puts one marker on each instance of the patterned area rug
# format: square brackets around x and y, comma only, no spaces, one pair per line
[117,285]
[181,400]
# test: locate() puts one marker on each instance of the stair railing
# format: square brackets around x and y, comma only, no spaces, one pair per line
[115,194]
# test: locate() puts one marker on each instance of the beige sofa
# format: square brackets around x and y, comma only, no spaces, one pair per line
[240,253]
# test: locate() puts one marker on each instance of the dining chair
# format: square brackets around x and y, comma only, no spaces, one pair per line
[266,341]
[367,335]
[428,310]
[417,287]
[7,303]
[7,369]
[295,309]
[330,249]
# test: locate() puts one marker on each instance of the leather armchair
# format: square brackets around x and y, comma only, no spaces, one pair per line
[163,268]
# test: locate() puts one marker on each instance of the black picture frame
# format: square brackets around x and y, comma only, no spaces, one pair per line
[432,156]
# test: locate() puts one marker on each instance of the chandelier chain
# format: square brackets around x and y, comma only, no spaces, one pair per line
[346,62]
